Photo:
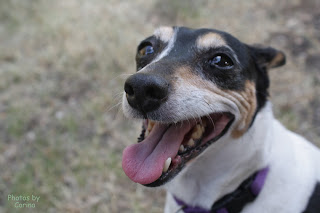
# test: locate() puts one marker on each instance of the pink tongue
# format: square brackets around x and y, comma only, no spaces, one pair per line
[143,162]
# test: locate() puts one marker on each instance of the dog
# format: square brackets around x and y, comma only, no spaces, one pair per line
[209,136]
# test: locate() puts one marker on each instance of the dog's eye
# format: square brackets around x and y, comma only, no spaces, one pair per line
[221,60]
[146,50]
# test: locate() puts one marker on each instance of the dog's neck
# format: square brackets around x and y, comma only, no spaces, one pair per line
[224,165]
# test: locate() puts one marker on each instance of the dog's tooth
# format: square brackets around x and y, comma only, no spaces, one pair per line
[147,133]
[181,149]
[197,132]
[191,142]
[166,165]
[152,123]
[198,127]
[150,126]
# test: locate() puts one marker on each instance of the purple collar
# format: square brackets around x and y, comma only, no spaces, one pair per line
[233,202]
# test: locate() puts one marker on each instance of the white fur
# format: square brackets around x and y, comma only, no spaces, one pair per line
[293,161]
[164,33]
[168,48]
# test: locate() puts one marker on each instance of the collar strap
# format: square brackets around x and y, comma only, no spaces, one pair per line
[233,202]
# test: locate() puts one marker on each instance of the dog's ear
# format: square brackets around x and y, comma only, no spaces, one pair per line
[267,57]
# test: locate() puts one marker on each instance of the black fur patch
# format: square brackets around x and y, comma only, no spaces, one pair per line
[314,201]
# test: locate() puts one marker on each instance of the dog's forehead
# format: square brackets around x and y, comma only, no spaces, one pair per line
[164,33]
[200,38]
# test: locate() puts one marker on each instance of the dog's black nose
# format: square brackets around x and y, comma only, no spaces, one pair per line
[146,92]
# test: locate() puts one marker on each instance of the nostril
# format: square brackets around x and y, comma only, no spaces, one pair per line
[128,89]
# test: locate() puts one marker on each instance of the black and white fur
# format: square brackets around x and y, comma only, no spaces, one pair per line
[254,140]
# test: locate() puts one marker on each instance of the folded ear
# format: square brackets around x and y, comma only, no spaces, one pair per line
[267,57]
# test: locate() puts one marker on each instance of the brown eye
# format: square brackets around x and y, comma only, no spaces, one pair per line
[221,60]
[147,50]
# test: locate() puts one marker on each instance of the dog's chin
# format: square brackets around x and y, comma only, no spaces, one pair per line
[148,161]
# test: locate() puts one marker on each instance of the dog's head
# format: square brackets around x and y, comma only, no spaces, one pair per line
[192,87]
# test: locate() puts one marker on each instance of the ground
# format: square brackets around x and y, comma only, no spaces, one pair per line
[62,69]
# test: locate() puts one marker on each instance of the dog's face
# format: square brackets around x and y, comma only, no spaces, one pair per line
[192,87]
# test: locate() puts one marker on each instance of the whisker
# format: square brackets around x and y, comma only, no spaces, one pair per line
[114,106]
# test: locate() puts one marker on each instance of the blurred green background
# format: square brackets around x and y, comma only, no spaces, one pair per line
[62,68]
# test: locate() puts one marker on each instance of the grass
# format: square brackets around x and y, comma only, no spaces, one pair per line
[62,68]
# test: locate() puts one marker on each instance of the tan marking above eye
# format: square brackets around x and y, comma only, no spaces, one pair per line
[210,40]
[164,33]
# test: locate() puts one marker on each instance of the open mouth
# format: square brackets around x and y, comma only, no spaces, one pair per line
[164,149]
